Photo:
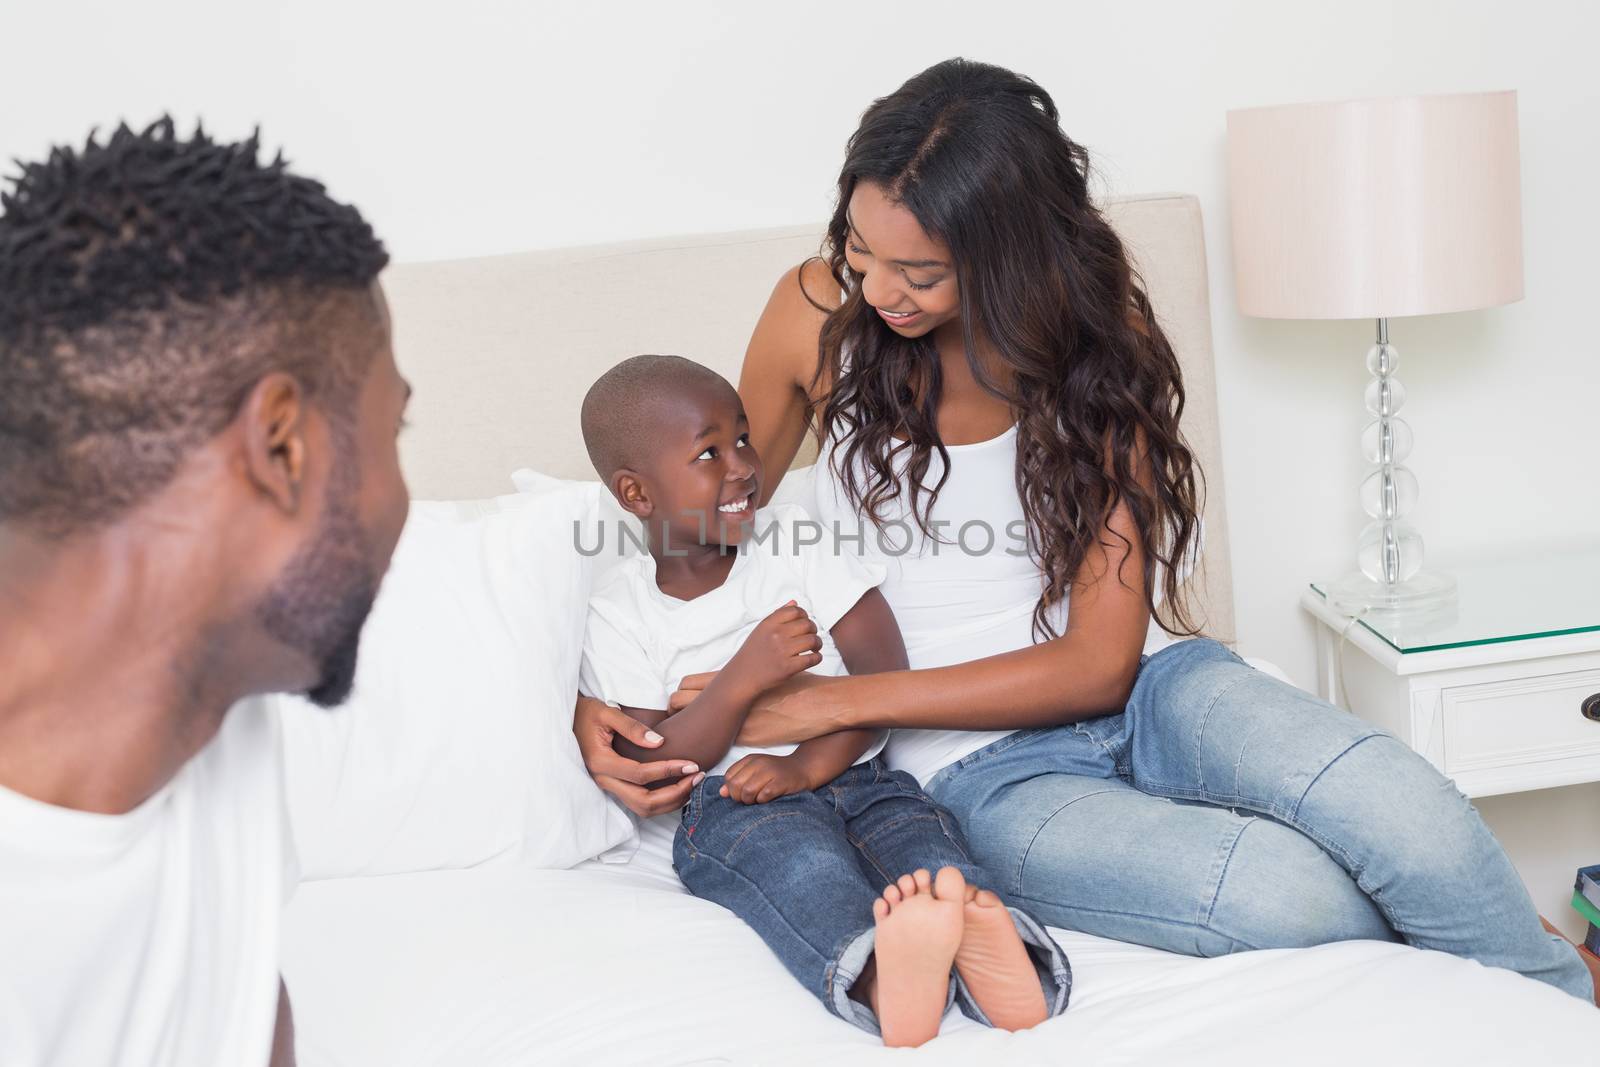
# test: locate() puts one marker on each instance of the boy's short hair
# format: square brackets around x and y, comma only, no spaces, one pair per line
[617,414]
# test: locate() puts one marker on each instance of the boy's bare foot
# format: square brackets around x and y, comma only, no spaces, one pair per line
[918,932]
[993,961]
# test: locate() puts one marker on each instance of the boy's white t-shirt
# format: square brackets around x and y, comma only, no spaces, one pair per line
[150,938]
[640,642]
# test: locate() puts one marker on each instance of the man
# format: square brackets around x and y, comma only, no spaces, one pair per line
[199,495]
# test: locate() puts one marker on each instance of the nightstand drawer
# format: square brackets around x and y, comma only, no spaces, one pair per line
[1520,721]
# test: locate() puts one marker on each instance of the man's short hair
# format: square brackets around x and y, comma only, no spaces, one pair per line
[616,415]
[147,283]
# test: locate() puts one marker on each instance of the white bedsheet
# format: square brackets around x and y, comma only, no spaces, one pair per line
[617,965]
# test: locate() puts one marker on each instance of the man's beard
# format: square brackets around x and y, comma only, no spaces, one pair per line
[321,600]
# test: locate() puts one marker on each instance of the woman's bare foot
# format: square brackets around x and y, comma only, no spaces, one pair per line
[993,961]
[918,932]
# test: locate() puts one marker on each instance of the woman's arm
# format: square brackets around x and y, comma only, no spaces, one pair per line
[869,641]
[780,363]
[1085,672]
[782,644]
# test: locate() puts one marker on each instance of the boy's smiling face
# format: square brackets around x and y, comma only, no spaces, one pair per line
[703,478]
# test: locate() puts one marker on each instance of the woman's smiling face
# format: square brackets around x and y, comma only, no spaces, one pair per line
[906,275]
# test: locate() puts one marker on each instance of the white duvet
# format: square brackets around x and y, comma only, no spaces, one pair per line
[617,965]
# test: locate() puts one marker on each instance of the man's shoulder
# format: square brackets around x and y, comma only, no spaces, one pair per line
[241,778]
[219,831]
[250,738]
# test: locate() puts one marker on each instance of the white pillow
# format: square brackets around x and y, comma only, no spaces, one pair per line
[605,534]
[456,748]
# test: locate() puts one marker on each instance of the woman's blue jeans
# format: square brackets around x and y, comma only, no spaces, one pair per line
[1224,810]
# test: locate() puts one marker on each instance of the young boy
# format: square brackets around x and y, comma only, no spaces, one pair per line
[792,840]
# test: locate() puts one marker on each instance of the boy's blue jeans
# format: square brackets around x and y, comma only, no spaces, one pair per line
[803,871]
[1224,810]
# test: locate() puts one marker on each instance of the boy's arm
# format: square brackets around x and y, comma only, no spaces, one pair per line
[868,638]
[761,777]
[869,641]
[822,759]
[782,644]
[625,747]
[703,737]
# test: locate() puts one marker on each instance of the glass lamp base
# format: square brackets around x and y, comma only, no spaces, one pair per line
[1425,593]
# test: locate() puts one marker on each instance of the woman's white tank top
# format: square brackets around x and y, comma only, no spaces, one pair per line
[964,591]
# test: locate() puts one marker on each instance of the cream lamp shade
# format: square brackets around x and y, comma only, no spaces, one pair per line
[1376,208]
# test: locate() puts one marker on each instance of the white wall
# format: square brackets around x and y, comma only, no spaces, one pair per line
[480,127]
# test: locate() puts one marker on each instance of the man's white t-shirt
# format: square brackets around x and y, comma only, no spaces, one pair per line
[640,642]
[150,938]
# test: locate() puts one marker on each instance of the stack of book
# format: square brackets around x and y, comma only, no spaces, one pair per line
[1586,900]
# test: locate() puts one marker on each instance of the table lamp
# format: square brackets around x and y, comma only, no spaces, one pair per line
[1379,209]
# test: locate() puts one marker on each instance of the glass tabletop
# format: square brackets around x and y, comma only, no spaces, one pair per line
[1531,593]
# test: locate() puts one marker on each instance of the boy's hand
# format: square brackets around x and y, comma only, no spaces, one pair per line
[782,645]
[759,778]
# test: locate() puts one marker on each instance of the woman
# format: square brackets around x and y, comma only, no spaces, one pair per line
[977,356]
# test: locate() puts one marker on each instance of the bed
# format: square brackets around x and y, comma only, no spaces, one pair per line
[505,962]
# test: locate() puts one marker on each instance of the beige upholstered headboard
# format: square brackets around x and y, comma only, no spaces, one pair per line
[501,349]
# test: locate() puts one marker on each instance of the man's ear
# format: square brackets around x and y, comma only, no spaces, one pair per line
[274,414]
[628,487]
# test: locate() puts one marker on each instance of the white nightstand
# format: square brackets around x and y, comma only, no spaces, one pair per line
[1495,696]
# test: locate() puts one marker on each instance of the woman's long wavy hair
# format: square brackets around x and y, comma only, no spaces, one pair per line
[976,153]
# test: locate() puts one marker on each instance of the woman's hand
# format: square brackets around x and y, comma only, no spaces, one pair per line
[805,706]
[596,724]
